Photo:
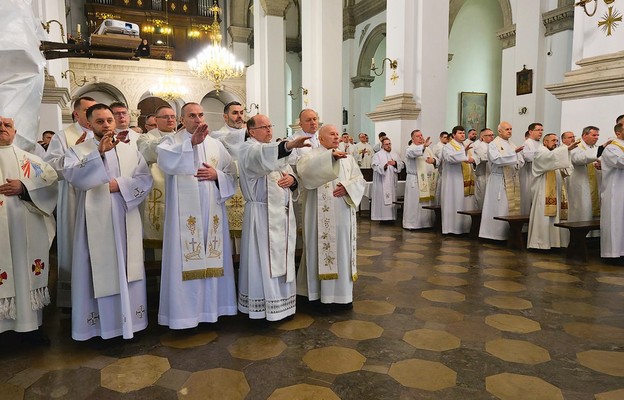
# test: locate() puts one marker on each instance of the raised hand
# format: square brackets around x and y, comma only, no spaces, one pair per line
[339,154]
[206,173]
[297,143]
[13,187]
[199,135]
[286,181]
[107,143]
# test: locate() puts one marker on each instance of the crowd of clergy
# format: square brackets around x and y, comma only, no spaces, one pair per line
[178,184]
[186,187]
[548,178]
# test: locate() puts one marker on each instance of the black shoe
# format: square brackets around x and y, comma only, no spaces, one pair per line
[323,308]
[37,338]
[343,306]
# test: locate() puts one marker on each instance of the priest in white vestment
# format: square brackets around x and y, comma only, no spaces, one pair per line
[502,193]
[232,135]
[612,213]
[28,194]
[147,143]
[66,206]
[363,152]
[530,147]
[309,123]
[548,164]
[335,188]
[197,280]
[420,183]
[108,277]
[584,182]
[457,184]
[266,285]
[481,165]
[386,167]
[437,152]
[122,123]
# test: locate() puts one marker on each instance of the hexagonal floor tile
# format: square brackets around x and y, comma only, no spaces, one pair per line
[595,332]
[303,391]
[452,258]
[300,321]
[568,291]
[607,362]
[451,281]
[172,339]
[508,386]
[509,302]
[215,384]
[133,373]
[581,309]
[438,314]
[429,339]
[368,253]
[502,272]
[257,347]
[517,351]
[512,323]
[612,395]
[557,266]
[611,280]
[11,392]
[443,296]
[334,360]
[357,330]
[451,269]
[373,307]
[422,374]
[558,277]
[383,238]
[505,286]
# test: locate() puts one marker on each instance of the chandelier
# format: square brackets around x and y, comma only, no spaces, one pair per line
[215,62]
[169,87]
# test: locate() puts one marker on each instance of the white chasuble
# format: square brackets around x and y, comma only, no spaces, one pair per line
[281,255]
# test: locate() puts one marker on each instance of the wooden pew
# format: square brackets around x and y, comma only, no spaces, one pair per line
[475,215]
[516,223]
[437,226]
[578,233]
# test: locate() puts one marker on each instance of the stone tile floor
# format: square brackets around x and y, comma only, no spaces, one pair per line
[434,317]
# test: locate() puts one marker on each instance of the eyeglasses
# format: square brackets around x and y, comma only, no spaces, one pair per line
[120,113]
[166,117]
[264,127]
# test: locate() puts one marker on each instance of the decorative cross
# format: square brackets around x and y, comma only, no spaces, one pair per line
[93,318]
[140,311]
[610,21]
[193,243]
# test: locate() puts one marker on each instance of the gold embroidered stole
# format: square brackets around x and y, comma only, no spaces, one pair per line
[16,163]
[594,190]
[467,172]
[550,205]
[427,177]
[326,246]
[511,180]
[563,213]
[199,262]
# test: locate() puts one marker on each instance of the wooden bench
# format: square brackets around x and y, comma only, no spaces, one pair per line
[437,225]
[475,215]
[578,233]
[516,223]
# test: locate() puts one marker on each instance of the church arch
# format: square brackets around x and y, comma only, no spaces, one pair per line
[456,5]
[376,35]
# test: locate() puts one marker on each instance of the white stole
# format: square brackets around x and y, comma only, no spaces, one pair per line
[99,221]
[281,218]
[199,262]
[388,183]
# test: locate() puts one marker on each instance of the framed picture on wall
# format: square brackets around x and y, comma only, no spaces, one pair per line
[473,110]
[524,81]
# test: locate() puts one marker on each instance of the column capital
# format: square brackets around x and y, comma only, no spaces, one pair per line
[396,107]
[239,34]
[53,94]
[276,8]
[558,20]
[362,81]
[507,35]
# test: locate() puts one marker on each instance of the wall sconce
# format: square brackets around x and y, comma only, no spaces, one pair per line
[393,64]
[522,110]
[303,91]
[46,27]
[583,3]
[252,106]
[79,83]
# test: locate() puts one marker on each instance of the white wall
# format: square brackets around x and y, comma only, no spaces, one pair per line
[477,60]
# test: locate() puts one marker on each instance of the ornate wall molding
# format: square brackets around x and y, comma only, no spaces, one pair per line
[239,33]
[507,35]
[53,94]
[396,107]
[558,20]
[362,81]
[348,23]
[597,77]
[367,9]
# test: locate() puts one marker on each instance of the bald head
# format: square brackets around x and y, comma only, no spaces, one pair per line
[329,137]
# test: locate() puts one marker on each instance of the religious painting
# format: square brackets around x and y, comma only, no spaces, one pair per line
[473,110]
[524,81]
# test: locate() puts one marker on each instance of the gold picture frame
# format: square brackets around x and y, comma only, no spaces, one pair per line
[524,81]
[473,110]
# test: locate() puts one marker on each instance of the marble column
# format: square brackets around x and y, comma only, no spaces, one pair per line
[321,60]
[266,80]
[414,99]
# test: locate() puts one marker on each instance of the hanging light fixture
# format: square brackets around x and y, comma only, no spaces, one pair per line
[215,62]
[169,87]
